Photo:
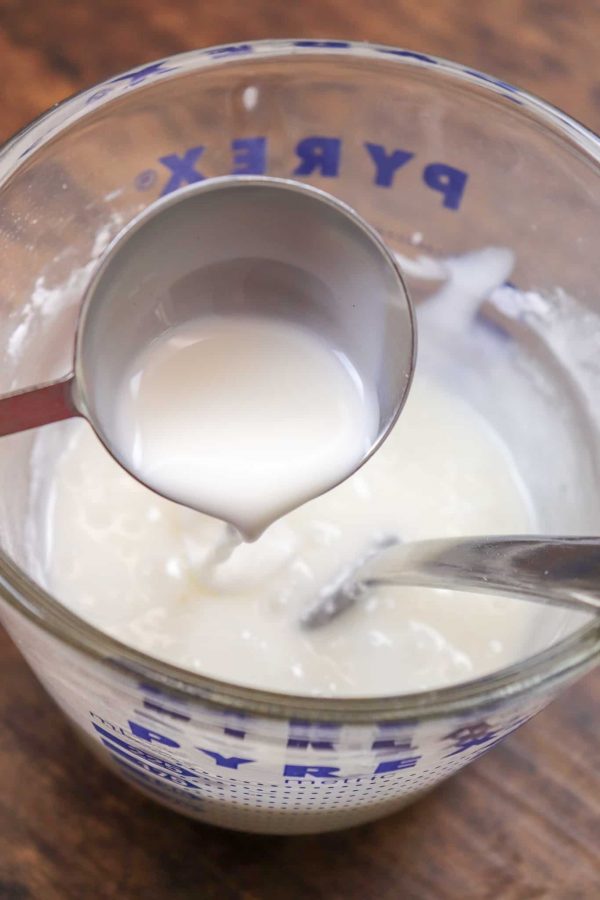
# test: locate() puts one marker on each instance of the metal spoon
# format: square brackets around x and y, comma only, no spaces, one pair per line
[260,245]
[556,571]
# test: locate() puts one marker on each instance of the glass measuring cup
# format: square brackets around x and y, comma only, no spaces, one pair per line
[443,162]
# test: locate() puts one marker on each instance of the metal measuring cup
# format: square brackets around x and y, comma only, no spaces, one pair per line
[229,245]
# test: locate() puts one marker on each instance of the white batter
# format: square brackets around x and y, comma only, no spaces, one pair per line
[134,565]
[243,418]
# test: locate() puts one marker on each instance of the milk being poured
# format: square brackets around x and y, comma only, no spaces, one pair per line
[244,418]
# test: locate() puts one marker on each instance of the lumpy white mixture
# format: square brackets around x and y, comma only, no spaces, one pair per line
[138,566]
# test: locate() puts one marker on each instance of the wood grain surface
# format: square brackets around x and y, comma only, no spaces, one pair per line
[521,823]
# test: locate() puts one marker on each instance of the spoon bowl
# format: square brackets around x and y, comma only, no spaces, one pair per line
[264,247]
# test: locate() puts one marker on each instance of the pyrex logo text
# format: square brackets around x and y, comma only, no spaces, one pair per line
[320,155]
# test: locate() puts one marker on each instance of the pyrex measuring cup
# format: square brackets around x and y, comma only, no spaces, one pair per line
[443,162]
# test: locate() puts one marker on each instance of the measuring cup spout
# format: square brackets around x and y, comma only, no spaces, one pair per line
[40,405]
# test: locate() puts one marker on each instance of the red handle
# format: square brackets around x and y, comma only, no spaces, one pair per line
[37,406]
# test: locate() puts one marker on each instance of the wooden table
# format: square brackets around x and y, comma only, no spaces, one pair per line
[521,823]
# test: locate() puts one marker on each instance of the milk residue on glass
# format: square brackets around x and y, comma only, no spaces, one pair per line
[244,417]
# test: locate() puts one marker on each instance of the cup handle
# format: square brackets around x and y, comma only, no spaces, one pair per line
[37,406]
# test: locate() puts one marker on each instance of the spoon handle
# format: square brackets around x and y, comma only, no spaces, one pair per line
[37,406]
[563,571]
[556,571]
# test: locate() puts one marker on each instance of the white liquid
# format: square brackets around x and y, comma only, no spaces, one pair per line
[135,565]
[244,418]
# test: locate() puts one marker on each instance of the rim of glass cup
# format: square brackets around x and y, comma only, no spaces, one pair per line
[538,673]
